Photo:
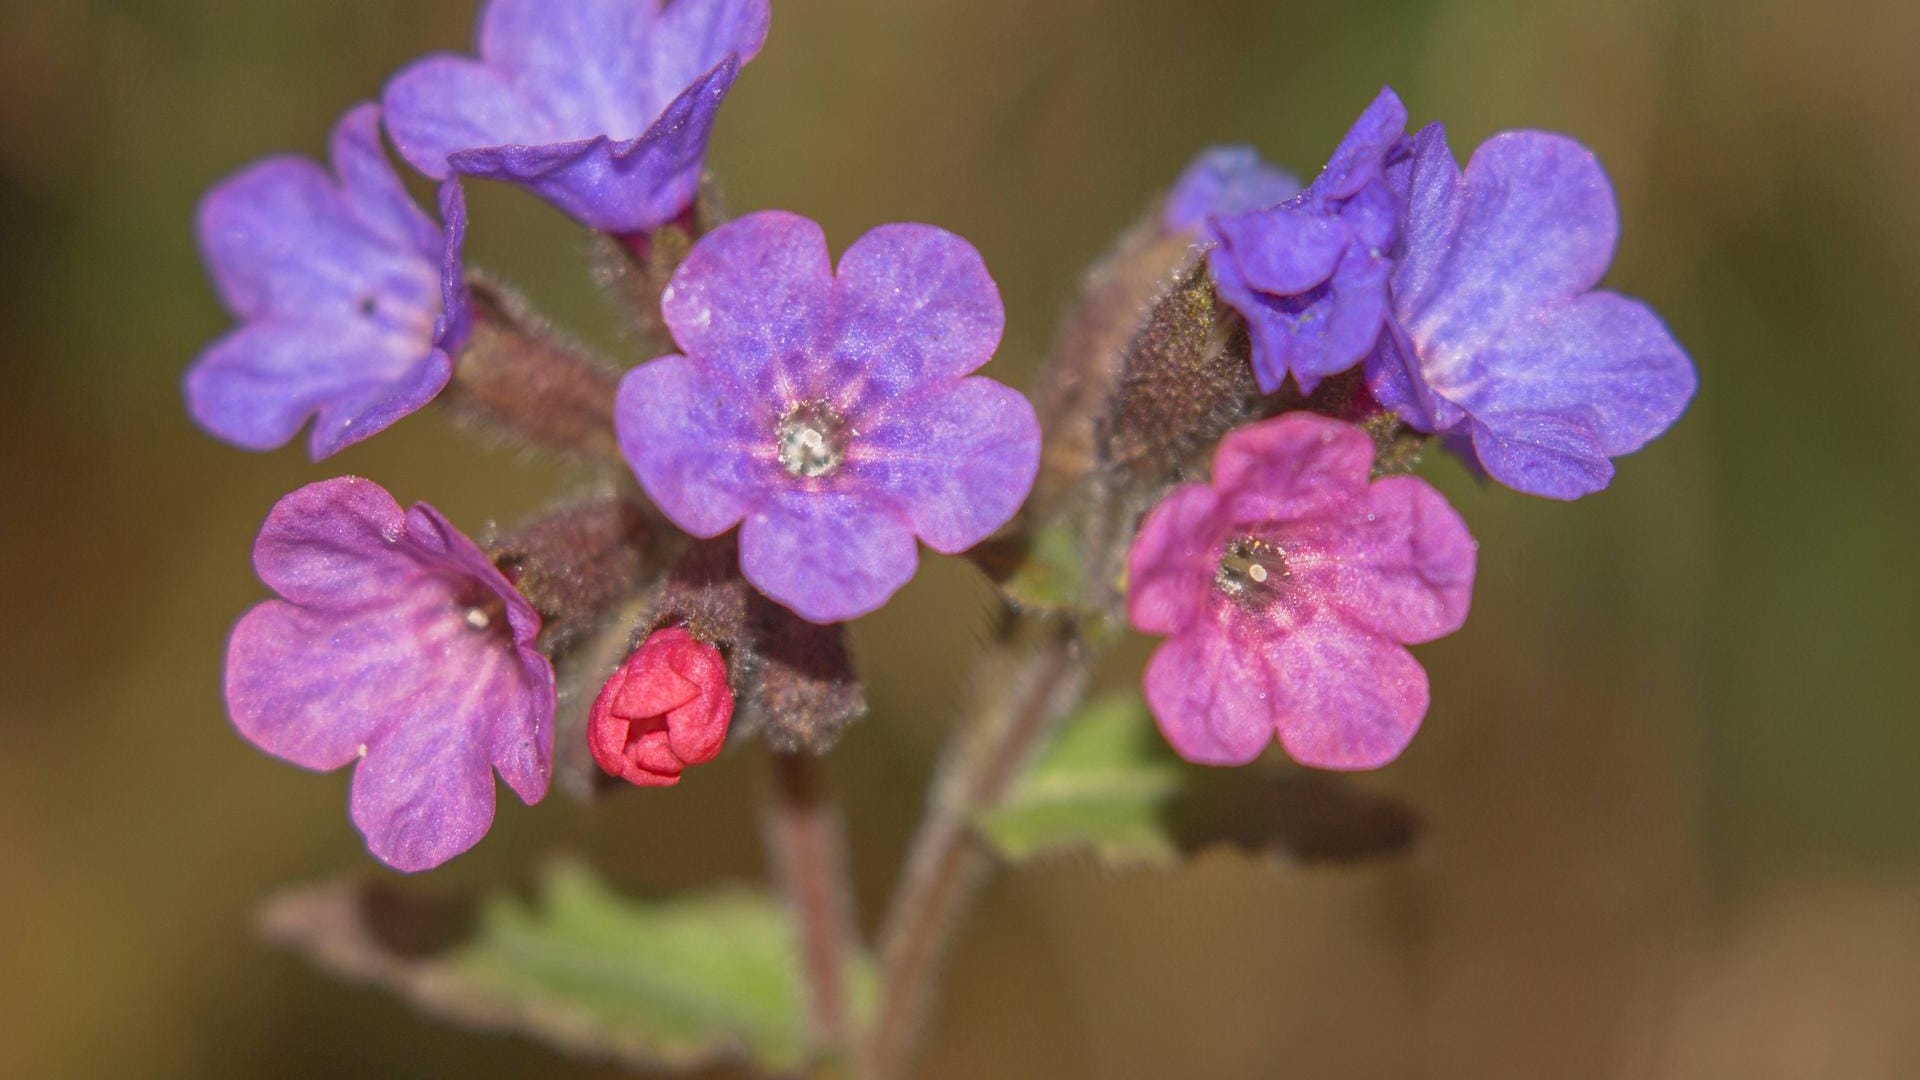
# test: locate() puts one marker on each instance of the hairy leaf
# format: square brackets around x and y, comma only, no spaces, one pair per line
[678,983]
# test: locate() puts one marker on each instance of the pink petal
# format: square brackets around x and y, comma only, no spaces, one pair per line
[1174,559]
[1212,694]
[1344,697]
[421,798]
[330,545]
[1292,467]
[1399,562]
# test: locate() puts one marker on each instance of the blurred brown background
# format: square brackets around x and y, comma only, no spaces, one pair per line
[1669,771]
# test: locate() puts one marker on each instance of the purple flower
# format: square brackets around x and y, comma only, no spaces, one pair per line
[601,107]
[1287,590]
[830,416]
[397,643]
[1310,275]
[1498,340]
[350,298]
[1223,181]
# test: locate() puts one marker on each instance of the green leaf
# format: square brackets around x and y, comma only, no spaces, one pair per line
[1109,786]
[678,983]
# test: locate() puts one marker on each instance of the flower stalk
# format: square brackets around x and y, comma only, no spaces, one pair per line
[806,838]
[1027,681]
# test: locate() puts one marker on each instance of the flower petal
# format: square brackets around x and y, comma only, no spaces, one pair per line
[330,545]
[1554,456]
[1297,465]
[1285,250]
[374,189]
[1313,334]
[1392,371]
[583,64]
[1343,697]
[690,38]
[1212,694]
[1361,155]
[913,304]
[1398,562]
[826,556]
[617,186]
[279,239]
[1602,358]
[1532,222]
[421,797]
[1174,559]
[959,459]
[693,443]
[443,104]
[751,303]
[1224,181]
[285,687]
[256,386]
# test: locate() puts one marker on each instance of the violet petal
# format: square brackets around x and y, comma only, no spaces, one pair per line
[826,556]
[914,304]
[959,459]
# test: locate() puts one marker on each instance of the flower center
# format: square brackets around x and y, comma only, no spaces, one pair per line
[811,440]
[1250,570]
[481,609]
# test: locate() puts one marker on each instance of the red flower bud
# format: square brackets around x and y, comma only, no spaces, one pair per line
[665,709]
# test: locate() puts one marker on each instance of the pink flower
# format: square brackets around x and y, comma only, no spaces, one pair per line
[1288,589]
[396,646]
[667,707]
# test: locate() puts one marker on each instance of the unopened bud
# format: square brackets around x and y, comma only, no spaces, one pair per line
[667,707]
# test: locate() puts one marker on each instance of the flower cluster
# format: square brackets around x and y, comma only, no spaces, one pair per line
[1468,297]
[832,415]
[821,419]
[1288,588]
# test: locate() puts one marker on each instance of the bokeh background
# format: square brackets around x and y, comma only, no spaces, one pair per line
[1669,775]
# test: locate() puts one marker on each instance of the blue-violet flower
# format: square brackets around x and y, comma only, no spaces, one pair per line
[830,416]
[1224,181]
[601,107]
[1499,341]
[395,642]
[1288,589]
[350,298]
[1310,275]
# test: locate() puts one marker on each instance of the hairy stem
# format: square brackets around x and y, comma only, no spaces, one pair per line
[806,839]
[520,377]
[1024,686]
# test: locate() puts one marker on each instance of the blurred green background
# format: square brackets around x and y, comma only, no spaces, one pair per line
[1669,771]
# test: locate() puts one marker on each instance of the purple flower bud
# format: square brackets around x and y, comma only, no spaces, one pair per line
[1499,341]
[350,298]
[1287,590]
[397,644]
[1310,275]
[1224,181]
[830,415]
[601,107]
